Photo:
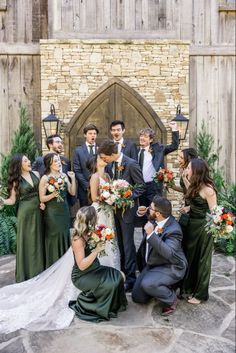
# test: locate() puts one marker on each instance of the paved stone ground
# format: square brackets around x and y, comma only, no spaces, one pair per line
[206,328]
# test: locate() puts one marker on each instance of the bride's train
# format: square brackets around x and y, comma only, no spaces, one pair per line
[40,303]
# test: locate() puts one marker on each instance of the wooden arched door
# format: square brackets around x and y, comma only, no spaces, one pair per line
[114,100]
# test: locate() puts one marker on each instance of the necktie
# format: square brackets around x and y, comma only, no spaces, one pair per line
[115,170]
[91,149]
[141,158]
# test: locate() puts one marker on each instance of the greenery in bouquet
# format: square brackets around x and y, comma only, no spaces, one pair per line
[56,184]
[220,223]
[123,193]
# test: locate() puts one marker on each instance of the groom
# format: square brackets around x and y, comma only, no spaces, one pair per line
[123,167]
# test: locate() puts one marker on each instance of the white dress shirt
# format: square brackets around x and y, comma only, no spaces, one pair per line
[119,143]
[148,168]
[158,225]
[94,147]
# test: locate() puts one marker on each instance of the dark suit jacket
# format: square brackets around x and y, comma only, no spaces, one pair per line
[38,165]
[165,248]
[159,151]
[81,156]
[129,148]
[132,173]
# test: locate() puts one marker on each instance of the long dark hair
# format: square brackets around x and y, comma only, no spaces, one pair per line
[200,176]
[85,222]
[14,173]
[48,159]
[188,154]
[92,168]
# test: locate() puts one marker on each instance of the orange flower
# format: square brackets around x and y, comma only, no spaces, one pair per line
[51,181]
[120,168]
[229,222]
[170,176]
[109,236]
[224,216]
[127,194]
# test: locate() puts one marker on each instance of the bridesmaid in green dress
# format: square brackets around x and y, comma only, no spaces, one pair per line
[102,288]
[201,194]
[23,189]
[56,214]
[184,157]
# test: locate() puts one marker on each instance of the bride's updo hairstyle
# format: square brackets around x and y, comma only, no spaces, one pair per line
[85,221]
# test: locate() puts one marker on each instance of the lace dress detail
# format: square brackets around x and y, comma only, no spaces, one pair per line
[106,216]
[40,303]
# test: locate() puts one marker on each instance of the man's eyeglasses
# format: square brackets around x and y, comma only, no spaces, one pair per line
[153,209]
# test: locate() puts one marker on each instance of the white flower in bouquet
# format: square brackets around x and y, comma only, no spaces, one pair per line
[229,229]
[51,188]
[106,195]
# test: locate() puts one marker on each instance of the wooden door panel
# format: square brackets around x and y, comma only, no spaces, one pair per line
[114,100]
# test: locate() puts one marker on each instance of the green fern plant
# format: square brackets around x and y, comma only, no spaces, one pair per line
[204,144]
[23,142]
[8,232]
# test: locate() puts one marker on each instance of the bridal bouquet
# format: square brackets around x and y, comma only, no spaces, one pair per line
[56,184]
[106,194]
[100,234]
[220,223]
[165,176]
[123,192]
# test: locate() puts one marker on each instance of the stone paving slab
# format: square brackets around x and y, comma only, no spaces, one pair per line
[204,328]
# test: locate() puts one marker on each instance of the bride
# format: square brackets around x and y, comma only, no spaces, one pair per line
[105,214]
[41,303]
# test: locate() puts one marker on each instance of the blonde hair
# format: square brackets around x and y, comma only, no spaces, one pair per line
[85,221]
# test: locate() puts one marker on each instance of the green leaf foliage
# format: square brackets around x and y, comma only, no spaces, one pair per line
[23,142]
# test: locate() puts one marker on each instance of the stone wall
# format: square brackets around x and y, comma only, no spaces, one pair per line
[157,69]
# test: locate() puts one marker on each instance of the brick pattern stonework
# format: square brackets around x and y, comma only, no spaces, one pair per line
[158,70]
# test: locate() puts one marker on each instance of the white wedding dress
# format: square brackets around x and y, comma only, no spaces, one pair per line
[41,303]
[106,216]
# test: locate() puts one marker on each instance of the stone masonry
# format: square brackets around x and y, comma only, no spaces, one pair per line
[71,70]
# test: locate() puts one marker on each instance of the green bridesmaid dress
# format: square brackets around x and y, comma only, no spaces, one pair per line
[198,246]
[102,295]
[30,238]
[57,228]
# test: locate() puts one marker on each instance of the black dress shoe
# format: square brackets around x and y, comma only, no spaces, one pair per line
[128,287]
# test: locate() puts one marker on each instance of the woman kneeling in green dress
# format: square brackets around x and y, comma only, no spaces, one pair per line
[201,194]
[103,294]
[23,189]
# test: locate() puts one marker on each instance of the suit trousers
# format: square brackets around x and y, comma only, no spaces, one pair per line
[156,283]
[125,237]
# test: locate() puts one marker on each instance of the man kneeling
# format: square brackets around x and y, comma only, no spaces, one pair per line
[161,259]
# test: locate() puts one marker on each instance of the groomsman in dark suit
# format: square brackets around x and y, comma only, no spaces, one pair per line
[55,145]
[151,159]
[122,167]
[81,156]
[161,259]
[129,148]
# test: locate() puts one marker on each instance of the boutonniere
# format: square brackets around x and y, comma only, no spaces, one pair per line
[122,145]
[159,230]
[120,168]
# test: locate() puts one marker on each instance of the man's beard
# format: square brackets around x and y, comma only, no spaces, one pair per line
[151,218]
